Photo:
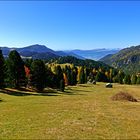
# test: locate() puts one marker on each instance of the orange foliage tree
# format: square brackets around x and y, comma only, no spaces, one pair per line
[65,79]
[27,71]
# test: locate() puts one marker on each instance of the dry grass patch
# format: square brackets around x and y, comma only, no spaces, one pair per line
[123,96]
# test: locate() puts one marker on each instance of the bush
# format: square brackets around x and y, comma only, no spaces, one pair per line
[123,96]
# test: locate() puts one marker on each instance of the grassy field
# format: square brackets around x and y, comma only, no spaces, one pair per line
[82,112]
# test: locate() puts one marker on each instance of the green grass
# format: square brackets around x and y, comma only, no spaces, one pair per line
[82,112]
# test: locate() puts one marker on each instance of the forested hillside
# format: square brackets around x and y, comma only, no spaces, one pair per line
[79,62]
[57,73]
[127,59]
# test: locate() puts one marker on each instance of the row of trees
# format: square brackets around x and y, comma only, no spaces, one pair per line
[114,76]
[16,73]
[81,75]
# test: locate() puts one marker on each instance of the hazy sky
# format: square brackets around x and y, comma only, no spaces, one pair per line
[70,25]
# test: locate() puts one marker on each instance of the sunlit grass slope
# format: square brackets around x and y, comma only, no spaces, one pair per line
[82,112]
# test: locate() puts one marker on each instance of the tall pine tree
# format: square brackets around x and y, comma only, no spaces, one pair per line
[59,78]
[127,79]
[133,79]
[2,70]
[38,75]
[138,80]
[16,71]
[74,73]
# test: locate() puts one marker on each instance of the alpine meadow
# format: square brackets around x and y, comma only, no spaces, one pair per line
[69,70]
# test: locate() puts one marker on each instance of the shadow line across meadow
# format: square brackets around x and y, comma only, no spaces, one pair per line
[28,92]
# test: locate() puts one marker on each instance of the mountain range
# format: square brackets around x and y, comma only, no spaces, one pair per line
[42,52]
[38,52]
[127,59]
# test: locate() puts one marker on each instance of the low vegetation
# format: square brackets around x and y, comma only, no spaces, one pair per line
[123,96]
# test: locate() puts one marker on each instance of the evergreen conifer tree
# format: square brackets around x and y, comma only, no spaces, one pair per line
[127,79]
[59,76]
[74,75]
[62,85]
[138,80]
[133,79]
[101,77]
[38,75]
[16,71]
[2,70]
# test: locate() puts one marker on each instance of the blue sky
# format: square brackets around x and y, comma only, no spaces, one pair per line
[65,25]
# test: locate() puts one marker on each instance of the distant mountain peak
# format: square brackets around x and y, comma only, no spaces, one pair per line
[36,48]
[36,45]
[37,51]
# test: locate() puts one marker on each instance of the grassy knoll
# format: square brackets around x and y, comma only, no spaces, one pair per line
[82,112]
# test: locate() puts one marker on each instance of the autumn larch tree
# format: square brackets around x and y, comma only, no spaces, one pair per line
[81,76]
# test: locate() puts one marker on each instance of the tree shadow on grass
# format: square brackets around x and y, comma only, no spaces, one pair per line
[15,93]
[82,85]
[78,90]
[49,90]
[46,92]
[26,92]
[67,92]
[82,90]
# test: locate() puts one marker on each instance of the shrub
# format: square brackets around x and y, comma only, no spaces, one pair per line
[123,96]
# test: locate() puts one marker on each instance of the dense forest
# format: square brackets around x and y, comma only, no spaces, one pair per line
[57,73]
